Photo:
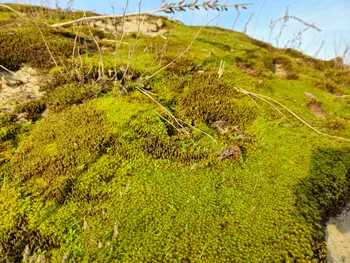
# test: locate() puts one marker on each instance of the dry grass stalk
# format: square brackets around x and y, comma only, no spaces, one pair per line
[257,19]
[9,71]
[246,24]
[284,20]
[236,19]
[259,96]
[346,50]
[166,8]
[319,50]
[221,69]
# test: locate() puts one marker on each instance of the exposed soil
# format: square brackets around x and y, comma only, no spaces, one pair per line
[317,109]
[246,69]
[232,151]
[19,87]
[338,237]
[150,26]
[280,71]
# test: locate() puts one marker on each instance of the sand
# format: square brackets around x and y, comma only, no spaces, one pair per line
[338,237]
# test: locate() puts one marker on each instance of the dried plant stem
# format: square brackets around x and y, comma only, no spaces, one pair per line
[179,56]
[285,19]
[236,19]
[257,18]
[291,112]
[249,94]
[221,69]
[169,114]
[9,71]
[346,50]
[165,119]
[18,13]
[205,133]
[246,24]
[185,51]
[319,50]
[165,8]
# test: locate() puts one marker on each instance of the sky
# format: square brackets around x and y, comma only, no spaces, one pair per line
[331,16]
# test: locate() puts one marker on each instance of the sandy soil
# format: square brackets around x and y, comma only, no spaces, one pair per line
[19,87]
[338,237]
[150,26]
[280,71]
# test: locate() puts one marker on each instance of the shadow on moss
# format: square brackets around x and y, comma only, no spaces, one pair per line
[325,193]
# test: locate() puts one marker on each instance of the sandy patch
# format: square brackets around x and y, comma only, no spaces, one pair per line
[151,26]
[280,71]
[338,237]
[19,87]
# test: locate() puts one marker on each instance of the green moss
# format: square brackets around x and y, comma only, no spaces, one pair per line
[32,109]
[225,103]
[73,94]
[26,45]
[104,178]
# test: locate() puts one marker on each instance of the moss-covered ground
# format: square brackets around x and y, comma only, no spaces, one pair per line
[105,177]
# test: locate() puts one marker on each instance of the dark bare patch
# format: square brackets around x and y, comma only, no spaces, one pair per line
[317,109]
[232,151]
[247,70]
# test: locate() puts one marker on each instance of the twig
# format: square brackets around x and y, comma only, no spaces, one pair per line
[284,24]
[295,115]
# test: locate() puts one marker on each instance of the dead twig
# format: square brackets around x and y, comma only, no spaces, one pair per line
[291,112]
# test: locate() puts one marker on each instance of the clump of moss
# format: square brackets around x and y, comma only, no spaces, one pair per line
[207,100]
[24,44]
[32,109]
[258,60]
[73,94]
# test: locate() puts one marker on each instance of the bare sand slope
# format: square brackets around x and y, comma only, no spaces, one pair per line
[338,237]
[151,26]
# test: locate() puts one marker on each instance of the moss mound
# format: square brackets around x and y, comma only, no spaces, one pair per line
[25,44]
[108,176]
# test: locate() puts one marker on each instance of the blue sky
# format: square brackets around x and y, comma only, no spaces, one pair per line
[332,16]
